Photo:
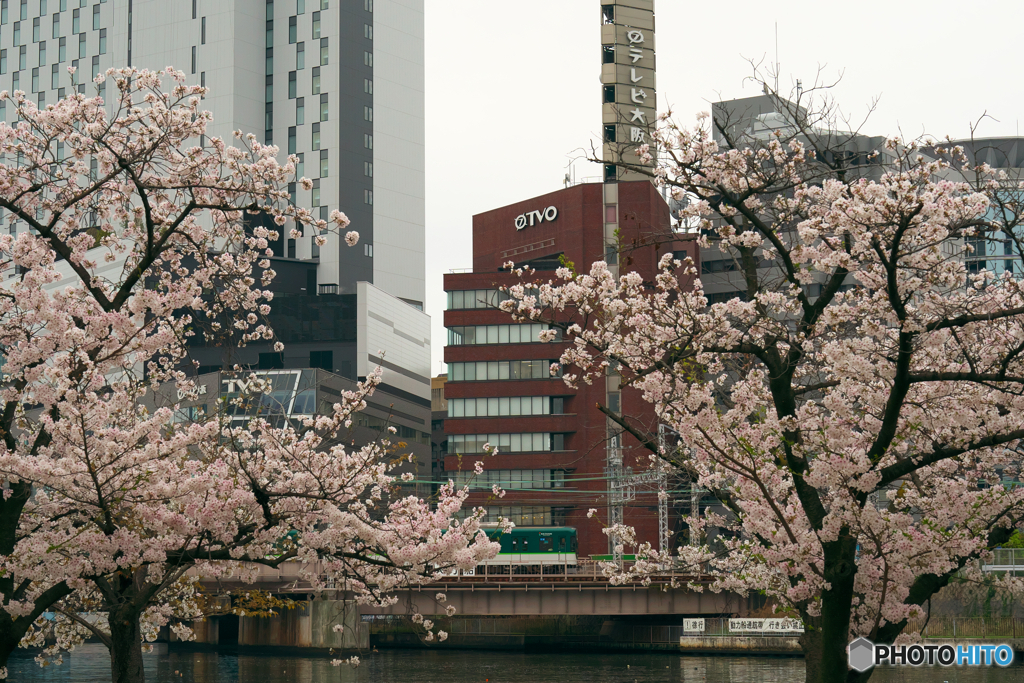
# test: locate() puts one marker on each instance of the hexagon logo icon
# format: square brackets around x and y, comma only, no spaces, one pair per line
[862,654]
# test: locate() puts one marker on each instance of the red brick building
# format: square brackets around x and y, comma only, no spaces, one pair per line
[554,442]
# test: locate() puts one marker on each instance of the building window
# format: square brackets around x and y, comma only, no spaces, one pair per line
[368,197]
[81,46]
[300,166]
[95,17]
[503,406]
[17,33]
[316,80]
[300,56]
[293,30]
[368,31]
[300,6]
[42,53]
[367,113]
[202,32]
[269,123]
[607,54]
[316,192]
[609,133]
[323,52]
[292,192]
[368,85]
[291,139]
[54,76]
[316,25]
[509,443]
[95,67]
[609,93]
[3,61]
[269,90]
[367,58]
[291,248]
[316,136]
[322,359]
[3,12]
[292,84]
[62,50]
[368,5]
[56,26]
[270,27]
[367,141]
[300,111]
[504,369]
[323,107]
[471,335]
[103,41]
[194,9]
[24,10]
[35,30]
[35,79]
[270,61]
[368,169]
[367,249]
[271,361]
[323,4]
[324,165]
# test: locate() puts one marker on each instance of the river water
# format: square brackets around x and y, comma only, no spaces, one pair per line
[90,664]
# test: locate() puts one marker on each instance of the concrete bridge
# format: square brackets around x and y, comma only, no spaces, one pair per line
[558,591]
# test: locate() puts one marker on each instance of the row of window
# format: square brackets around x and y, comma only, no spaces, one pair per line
[293,88]
[535,515]
[402,434]
[512,479]
[505,405]
[498,334]
[475,298]
[535,442]
[501,369]
[62,52]
[36,22]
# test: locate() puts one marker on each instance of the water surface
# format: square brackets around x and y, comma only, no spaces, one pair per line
[91,664]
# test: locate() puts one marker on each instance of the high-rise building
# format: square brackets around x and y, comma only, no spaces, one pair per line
[337,82]
[559,455]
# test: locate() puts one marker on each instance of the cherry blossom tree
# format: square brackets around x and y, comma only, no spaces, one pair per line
[854,405]
[131,234]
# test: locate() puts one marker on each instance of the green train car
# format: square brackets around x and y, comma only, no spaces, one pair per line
[534,546]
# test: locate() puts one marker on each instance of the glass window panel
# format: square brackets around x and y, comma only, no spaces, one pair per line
[514,334]
[451,296]
[492,406]
[492,369]
[492,333]
[538,405]
[503,334]
[455,405]
[514,406]
[504,441]
[458,296]
[480,336]
[469,409]
[458,372]
[516,443]
[503,406]
[502,370]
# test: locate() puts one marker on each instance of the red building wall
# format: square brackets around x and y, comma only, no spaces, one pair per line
[578,233]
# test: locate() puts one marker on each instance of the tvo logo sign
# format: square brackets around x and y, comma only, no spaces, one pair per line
[531,218]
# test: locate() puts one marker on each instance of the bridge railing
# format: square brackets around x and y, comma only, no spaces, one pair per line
[585,570]
[1005,560]
[967,627]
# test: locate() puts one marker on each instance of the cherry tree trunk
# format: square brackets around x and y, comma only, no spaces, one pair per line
[126,647]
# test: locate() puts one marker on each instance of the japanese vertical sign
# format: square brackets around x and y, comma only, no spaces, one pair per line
[628,78]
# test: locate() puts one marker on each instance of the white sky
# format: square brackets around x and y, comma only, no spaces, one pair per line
[512,86]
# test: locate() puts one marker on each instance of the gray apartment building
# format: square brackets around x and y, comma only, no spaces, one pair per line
[340,83]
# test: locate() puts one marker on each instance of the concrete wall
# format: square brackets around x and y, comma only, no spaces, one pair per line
[385,323]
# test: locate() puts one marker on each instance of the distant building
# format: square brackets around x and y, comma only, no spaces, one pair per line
[559,455]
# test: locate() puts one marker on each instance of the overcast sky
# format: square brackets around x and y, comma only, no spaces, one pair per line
[512,88]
